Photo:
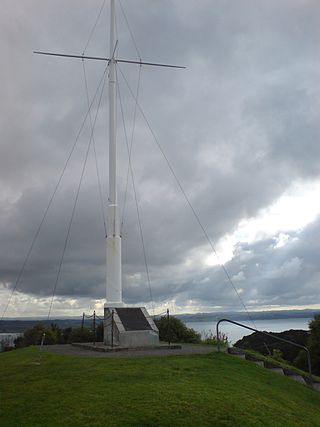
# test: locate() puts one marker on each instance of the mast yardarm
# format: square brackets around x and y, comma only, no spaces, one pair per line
[113,238]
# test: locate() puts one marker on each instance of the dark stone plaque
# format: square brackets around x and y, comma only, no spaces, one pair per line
[133,319]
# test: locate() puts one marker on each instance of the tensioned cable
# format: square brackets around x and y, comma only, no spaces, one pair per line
[90,118]
[94,26]
[130,31]
[160,314]
[135,195]
[94,150]
[134,116]
[186,198]
[130,151]
[21,271]
[75,203]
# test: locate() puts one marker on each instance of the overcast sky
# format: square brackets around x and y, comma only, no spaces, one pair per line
[240,127]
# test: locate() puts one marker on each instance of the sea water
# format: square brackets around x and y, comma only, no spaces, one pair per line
[235,332]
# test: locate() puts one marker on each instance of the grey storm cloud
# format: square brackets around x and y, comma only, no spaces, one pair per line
[239,126]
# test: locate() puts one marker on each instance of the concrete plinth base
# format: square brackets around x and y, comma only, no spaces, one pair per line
[106,349]
[129,327]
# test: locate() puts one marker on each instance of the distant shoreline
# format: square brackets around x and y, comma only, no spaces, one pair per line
[15,325]
[255,315]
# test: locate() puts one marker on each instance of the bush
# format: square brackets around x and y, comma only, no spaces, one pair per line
[65,335]
[81,335]
[57,332]
[19,343]
[211,339]
[7,348]
[277,355]
[99,332]
[301,361]
[55,335]
[314,344]
[33,336]
[174,330]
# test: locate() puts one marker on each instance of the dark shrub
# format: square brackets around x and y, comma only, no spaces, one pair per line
[314,344]
[172,329]
[18,342]
[99,332]
[211,339]
[81,335]
[7,348]
[33,336]
[65,335]
[57,332]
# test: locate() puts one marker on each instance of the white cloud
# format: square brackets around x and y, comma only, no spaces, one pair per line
[293,211]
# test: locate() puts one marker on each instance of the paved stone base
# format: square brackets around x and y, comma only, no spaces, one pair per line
[104,348]
[161,351]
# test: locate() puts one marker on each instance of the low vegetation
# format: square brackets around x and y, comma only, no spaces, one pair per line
[171,329]
[285,352]
[199,390]
[313,344]
[56,335]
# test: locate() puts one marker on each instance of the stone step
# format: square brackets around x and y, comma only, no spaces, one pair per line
[258,362]
[274,368]
[234,350]
[240,355]
[316,386]
[298,378]
[277,370]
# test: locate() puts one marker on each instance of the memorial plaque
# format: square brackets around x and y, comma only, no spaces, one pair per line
[133,319]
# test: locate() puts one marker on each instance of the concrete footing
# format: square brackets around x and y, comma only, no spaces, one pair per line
[129,327]
[107,349]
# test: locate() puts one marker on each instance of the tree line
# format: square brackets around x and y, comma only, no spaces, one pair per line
[171,330]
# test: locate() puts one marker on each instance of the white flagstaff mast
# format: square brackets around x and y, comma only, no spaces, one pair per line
[129,326]
[114,283]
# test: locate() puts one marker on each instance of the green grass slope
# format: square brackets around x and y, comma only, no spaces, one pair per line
[198,390]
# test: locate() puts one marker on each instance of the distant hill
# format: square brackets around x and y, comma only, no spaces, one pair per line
[20,325]
[256,315]
[265,344]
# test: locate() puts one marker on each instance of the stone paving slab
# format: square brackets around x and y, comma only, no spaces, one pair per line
[69,350]
[258,362]
[316,386]
[101,347]
[276,370]
[297,378]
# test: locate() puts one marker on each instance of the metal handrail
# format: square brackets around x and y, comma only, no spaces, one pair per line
[269,335]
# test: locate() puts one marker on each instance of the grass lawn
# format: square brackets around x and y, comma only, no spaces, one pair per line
[197,390]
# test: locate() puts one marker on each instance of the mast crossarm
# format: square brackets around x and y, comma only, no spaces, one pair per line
[100,58]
